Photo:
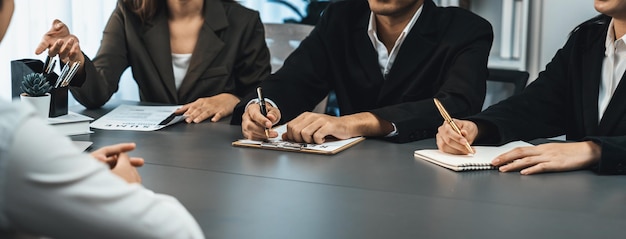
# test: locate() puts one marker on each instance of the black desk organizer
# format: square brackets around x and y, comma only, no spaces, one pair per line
[58,96]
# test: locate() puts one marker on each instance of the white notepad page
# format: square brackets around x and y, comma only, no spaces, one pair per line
[480,160]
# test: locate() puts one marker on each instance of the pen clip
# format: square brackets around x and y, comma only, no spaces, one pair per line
[261,101]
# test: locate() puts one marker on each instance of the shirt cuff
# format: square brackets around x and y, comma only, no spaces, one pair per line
[394,132]
[256,101]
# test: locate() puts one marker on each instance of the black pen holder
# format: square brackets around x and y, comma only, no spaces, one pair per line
[58,101]
[20,68]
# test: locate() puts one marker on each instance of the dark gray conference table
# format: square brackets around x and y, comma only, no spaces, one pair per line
[375,189]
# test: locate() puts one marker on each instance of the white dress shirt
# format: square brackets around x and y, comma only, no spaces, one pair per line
[613,67]
[50,188]
[385,58]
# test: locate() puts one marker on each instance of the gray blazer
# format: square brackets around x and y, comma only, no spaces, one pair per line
[230,57]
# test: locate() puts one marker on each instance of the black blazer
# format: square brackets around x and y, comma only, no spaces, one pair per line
[564,100]
[444,56]
[230,57]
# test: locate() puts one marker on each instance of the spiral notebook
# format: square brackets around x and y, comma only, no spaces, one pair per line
[479,161]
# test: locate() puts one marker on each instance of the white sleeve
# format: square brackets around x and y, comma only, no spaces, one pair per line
[53,189]
[256,101]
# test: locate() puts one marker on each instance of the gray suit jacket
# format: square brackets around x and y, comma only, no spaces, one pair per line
[230,56]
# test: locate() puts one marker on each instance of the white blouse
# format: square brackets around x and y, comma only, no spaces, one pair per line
[180,64]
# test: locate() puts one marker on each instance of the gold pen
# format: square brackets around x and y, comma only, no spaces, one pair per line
[448,119]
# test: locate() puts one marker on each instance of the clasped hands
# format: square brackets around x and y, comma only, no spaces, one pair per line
[550,157]
[119,162]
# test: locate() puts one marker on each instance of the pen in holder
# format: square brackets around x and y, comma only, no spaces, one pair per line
[58,97]
[58,102]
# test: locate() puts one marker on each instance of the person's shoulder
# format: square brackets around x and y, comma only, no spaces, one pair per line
[593,27]
[589,33]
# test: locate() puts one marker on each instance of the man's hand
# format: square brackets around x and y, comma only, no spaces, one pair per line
[551,157]
[315,128]
[214,107]
[450,141]
[126,170]
[253,123]
[110,154]
[118,160]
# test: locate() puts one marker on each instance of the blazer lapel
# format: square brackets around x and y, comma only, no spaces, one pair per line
[367,55]
[157,42]
[591,87]
[208,45]
[615,110]
[417,46]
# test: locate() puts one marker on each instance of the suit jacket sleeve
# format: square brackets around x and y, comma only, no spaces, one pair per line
[536,112]
[612,155]
[101,78]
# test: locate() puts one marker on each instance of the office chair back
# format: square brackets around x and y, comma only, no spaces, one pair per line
[503,84]
[281,40]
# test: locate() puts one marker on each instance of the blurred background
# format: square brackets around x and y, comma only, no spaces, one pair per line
[547,29]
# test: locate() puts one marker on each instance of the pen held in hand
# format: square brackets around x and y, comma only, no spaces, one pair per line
[263,109]
[448,119]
